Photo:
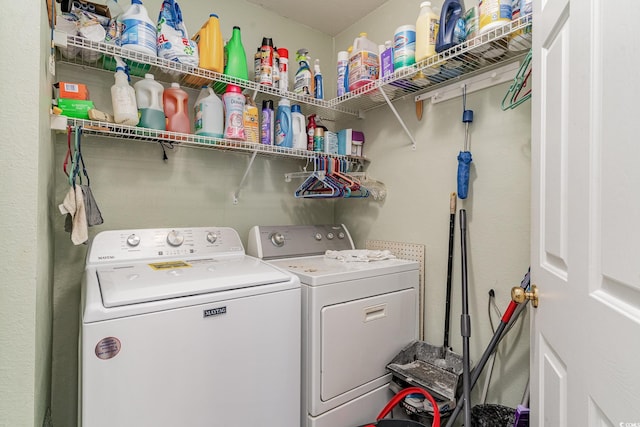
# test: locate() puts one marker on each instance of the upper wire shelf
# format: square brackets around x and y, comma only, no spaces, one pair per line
[111,130]
[503,44]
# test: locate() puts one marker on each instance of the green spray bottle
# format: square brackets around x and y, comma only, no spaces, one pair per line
[303,83]
[235,60]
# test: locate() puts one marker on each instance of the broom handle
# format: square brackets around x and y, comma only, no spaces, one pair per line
[447,307]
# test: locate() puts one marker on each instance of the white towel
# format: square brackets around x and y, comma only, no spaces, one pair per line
[73,205]
[359,255]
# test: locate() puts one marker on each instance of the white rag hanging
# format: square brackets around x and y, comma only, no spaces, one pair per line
[359,255]
[73,205]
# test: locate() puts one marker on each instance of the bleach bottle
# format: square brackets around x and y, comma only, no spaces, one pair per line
[208,114]
[283,127]
[363,62]
[139,33]
[298,128]
[123,98]
[452,12]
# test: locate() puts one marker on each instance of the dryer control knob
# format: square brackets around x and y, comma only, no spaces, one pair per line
[277,239]
[174,238]
[341,235]
[133,240]
[212,237]
[330,236]
[318,236]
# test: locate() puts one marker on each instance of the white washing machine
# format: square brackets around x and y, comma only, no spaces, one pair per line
[356,317]
[181,328]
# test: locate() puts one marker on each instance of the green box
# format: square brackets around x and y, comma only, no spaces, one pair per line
[75,108]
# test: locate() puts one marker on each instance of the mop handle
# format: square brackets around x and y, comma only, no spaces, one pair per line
[452,226]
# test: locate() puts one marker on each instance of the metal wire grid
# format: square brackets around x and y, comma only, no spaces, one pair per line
[503,44]
[110,130]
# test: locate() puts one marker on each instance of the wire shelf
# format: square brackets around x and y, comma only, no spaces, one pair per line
[111,130]
[504,44]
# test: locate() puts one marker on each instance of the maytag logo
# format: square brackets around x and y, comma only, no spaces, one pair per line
[106,257]
[215,311]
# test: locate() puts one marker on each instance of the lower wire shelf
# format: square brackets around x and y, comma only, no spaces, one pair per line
[111,130]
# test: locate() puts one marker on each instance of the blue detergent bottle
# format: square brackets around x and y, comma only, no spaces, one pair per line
[283,126]
[452,12]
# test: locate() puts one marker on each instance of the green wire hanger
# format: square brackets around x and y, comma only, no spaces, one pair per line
[512,98]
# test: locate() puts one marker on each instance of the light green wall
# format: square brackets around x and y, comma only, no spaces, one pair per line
[27,244]
[417,207]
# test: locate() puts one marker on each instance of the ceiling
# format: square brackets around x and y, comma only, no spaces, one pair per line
[321,15]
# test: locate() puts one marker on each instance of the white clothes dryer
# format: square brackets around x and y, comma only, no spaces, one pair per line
[180,328]
[356,317]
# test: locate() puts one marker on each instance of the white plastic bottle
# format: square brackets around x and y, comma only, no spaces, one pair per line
[343,62]
[364,64]
[427,26]
[149,100]
[208,114]
[139,31]
[123,98]
[298,127]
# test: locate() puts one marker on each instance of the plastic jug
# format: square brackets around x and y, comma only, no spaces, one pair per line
[233,101]
[149,99]
[283,127]
[210,45]
[364,65]
[298,130]
[426,32]
[208,114]
[139,31]
[452,11]
[176,109]
[236,63]
[123,98]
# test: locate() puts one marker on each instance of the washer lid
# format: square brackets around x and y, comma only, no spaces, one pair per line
[136,283]
[320,270]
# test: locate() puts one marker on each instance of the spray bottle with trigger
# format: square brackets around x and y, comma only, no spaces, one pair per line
[464,157]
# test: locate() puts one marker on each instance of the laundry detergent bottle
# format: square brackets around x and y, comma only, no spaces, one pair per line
[236,62]
[208,114]
[234,101]
[176,103]
[283,126]
[452,12]
[123,98]
[427,26]
[298,128]
[149,99]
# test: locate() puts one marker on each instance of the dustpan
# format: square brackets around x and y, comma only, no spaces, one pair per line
[434,368]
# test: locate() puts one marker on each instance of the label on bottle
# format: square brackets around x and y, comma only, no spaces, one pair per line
[140,33]
[266,65]
[267,120]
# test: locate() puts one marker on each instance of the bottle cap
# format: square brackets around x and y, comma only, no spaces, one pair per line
[149,76]
[234,89]
[343,55]
[235,27]
[284,102]
[136,2]
[283,52]
[295,108]
[213,15]
[425,4]
[174,84]
[267,104]
[267,41]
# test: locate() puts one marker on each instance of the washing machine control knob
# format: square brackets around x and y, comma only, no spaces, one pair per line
[212,237]
[341,235]
[330,236]
[318,236]
[174,238]
[277,239]
[133,240]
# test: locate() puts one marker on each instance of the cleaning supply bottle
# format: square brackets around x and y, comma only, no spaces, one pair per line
[208,114]
[387,65]
[311,128]
[210,45]
[236,62]
[149,100]
[176,107]
[266,134]
[426,32]
[452,11]
[266,62]
[318,91]
[303,84]
[283,129]
[283,69]
[123,98]
[257,58]
[404,46]
[233,101]
[139,32]
[298,130]
[364,65]
[251,121]
[343,62]
[276,68]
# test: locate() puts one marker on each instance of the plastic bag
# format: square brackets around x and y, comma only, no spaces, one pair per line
[173,40]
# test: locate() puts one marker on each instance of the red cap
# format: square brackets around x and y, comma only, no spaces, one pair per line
[233,88]
[283,52]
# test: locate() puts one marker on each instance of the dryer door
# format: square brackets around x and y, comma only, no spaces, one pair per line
[360,337]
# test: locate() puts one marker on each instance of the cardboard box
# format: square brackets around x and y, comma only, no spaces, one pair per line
[78,109]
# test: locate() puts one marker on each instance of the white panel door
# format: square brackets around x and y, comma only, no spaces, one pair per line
[585,201]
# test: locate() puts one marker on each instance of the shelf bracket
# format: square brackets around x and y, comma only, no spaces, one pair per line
[236,194]
[386,98]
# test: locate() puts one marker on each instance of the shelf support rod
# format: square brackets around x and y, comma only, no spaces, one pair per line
[386,98]
[244,178]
